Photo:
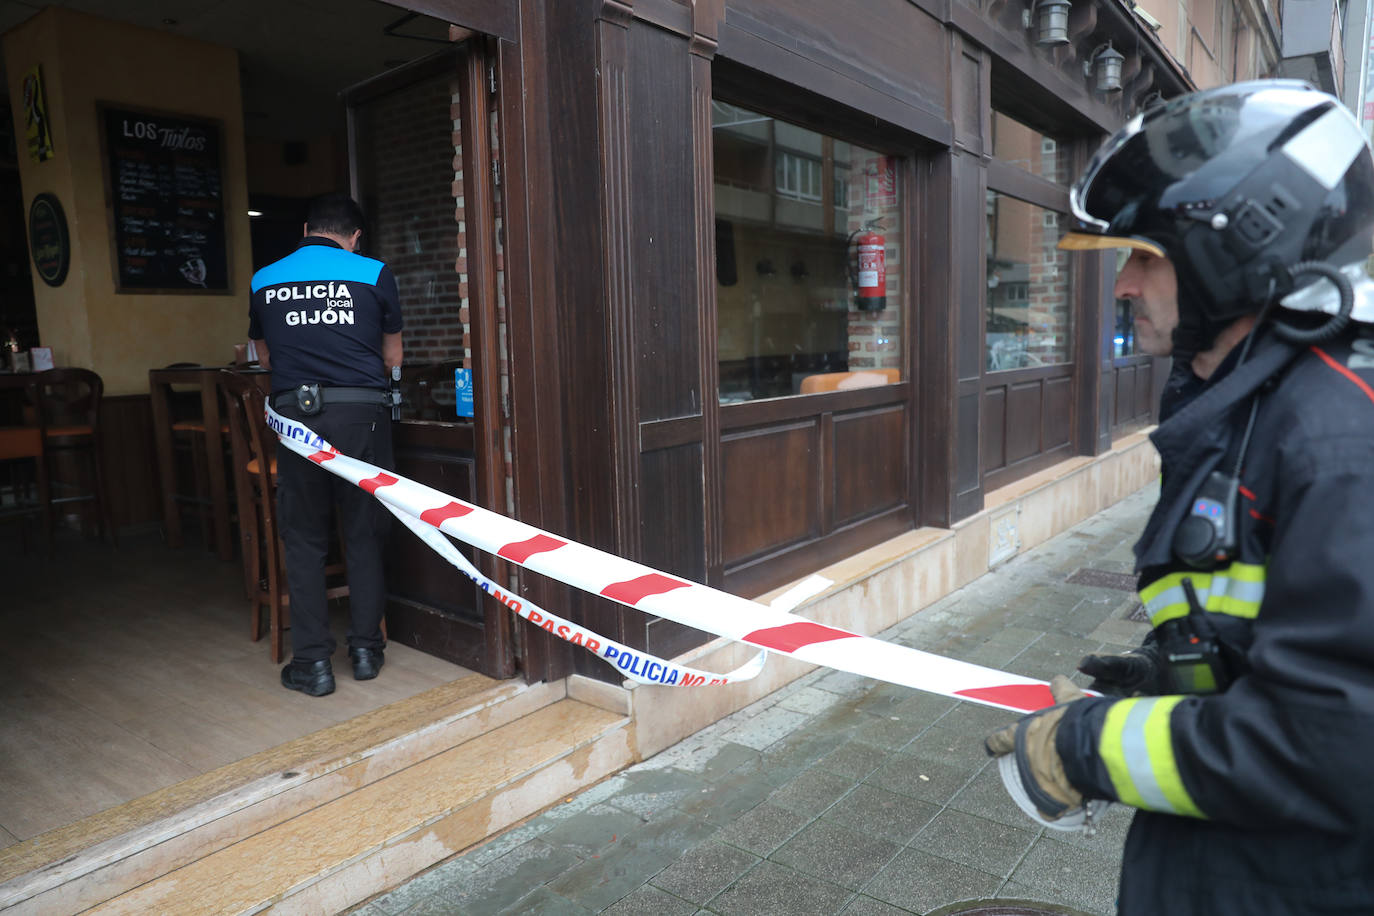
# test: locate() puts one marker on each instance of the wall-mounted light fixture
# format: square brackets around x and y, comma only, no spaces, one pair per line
[1050,19]
[1104,66]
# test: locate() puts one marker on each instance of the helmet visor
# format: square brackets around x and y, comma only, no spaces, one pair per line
[1087,241]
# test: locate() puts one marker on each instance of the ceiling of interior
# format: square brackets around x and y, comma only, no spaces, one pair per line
[295,55]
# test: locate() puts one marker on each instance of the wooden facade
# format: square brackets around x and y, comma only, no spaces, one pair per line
[639,456]
[598,188]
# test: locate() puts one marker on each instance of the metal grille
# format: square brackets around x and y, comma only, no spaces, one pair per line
[1007,908]
[1100,578]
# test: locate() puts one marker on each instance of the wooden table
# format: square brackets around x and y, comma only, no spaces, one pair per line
[206,378]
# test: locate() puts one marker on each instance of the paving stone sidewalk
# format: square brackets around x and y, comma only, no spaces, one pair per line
[837,794]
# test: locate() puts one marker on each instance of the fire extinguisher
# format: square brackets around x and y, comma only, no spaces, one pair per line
[868,269]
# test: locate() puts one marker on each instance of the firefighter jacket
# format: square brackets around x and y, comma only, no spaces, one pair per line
[1257,799]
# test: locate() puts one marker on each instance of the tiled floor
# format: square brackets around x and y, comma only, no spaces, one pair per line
[126,670]
[837,793]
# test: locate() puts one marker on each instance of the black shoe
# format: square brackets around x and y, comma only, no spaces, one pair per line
[366,663]
[313,678]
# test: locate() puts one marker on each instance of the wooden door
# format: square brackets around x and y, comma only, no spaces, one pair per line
[436,230]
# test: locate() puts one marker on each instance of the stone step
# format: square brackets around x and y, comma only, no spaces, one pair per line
[363,842]
[320,823]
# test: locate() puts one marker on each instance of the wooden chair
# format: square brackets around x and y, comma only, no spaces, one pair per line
[188,435]
[20,442]
[858,378]
[69,408]
[253,447]
[244,472]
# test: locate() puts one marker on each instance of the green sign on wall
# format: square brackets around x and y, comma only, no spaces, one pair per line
[49,242]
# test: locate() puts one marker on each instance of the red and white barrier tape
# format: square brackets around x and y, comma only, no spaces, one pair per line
[640,667]
[662,595]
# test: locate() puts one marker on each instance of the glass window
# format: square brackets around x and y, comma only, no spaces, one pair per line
[1029,311]
[1026,148]
[1123,337]
[794,208]
[1123,334]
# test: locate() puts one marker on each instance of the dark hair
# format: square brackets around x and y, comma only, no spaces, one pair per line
[336,214]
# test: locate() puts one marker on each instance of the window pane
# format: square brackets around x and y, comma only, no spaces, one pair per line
[1030,318]
[792,206]
[1123,336]
[1027,148]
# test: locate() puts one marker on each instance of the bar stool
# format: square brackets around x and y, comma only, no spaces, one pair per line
[69,407]
[188,436]
[253,449]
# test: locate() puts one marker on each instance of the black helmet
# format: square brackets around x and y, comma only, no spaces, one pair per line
[1235,186]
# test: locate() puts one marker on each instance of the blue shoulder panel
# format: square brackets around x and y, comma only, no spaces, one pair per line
[314,263]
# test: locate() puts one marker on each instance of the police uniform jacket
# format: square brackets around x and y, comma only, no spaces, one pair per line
[1257,799]
[323,311]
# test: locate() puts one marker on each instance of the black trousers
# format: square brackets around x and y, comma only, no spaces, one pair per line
[308,497]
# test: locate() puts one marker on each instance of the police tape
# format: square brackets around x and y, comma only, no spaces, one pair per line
[640,667]
[650,591]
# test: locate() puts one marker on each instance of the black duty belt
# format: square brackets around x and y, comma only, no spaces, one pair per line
[340,395]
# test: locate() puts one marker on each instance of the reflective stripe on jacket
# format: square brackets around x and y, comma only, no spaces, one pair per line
[1236,590]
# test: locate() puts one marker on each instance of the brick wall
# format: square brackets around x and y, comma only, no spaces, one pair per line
[411,162]
[1049,317]
[875,338]
[503,346]
[409,159]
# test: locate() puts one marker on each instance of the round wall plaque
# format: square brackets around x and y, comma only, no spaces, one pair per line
[49,242]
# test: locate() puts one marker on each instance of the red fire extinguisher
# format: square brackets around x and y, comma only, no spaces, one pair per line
[869,270]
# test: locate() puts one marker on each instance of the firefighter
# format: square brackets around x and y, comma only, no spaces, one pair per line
[1243,730]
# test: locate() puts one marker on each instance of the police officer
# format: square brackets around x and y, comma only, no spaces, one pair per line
[327,322]
[1244,730]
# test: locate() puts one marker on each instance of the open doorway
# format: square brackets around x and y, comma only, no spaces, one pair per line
[135,668]
[18,317]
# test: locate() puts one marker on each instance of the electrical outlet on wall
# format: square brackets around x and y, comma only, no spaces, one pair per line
[1004,535]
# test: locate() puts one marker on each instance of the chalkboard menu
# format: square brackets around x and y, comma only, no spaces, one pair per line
[166,193]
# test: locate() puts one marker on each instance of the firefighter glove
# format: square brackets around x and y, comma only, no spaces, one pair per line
[1131,674]
[1031,740]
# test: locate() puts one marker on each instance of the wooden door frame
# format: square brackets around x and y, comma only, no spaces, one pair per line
[479,219]
[468,61]
[532,324]
[513,37]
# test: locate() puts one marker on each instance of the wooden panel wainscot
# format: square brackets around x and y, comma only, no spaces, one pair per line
[431,606]
[1027,422]
[671,537]
[994,434]
[870,462]
[772,488]
[130,465]
[1058,412]
[1025,401]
